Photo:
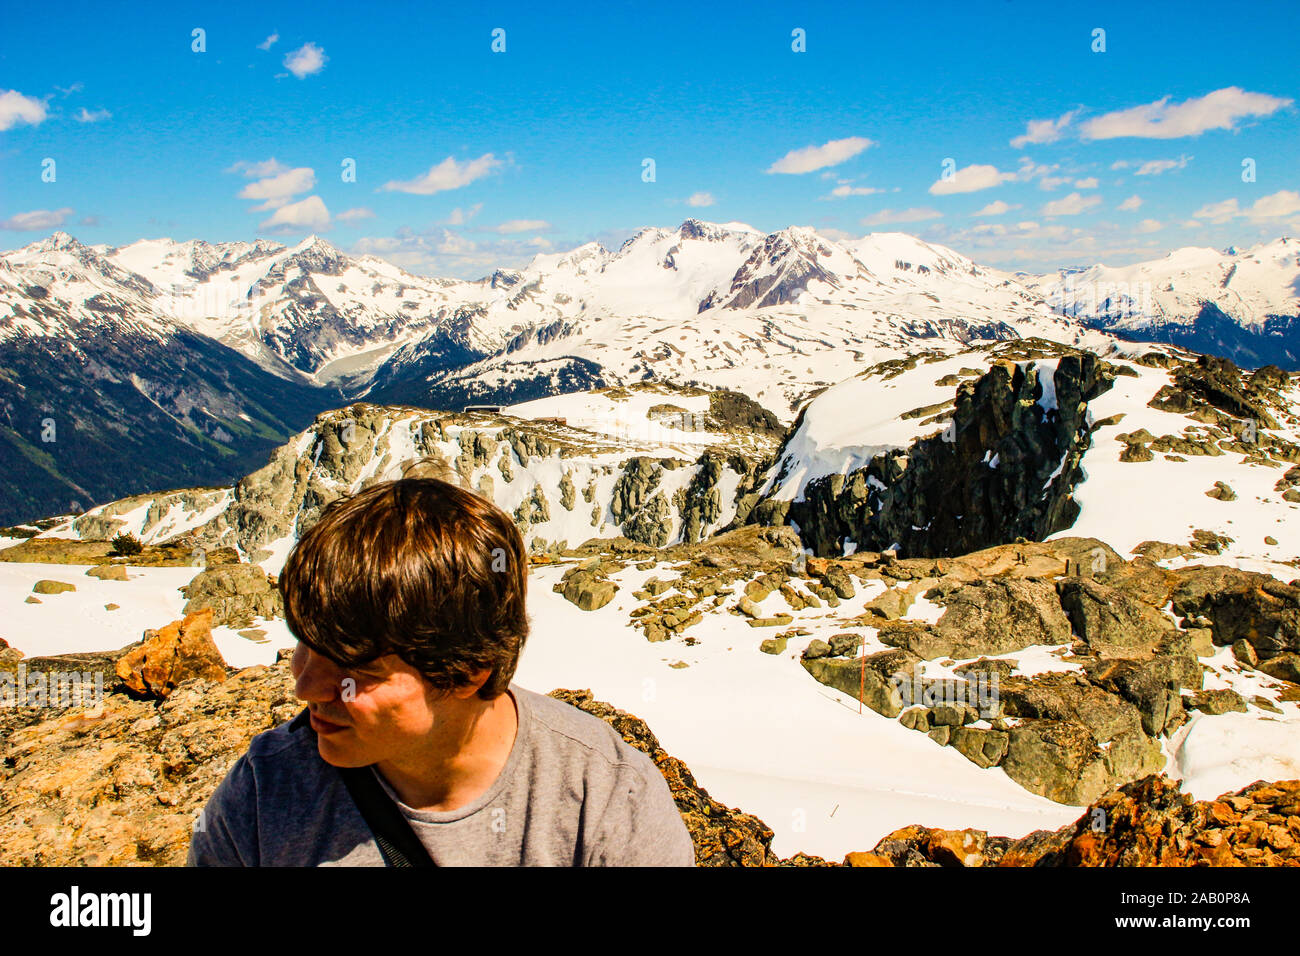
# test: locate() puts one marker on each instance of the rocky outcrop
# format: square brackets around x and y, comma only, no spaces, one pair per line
[1145,823]
[635,504]
[1240,605]
[104,522]
[1219,383]
[587,586]
[1003,469]
[177,652]
[533,469]
[1067,735]
[236,594]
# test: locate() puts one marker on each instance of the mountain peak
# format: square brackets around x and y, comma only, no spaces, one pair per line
[315,243]
[699,229]
[58,240]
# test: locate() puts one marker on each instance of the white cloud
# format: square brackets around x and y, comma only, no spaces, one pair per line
[995,208]
[891,216]
[269,42]
[1051,182]
[377,245]
[1089,183]
[460,216]
[1220,109]
[970,179]
[1131,204]
[836,235]
[701,199]
[37,219]
[1149,225]
[1266,210]
[1155,167]
[1071,205]
[1218,212]
[277,190]
[443,252]
[1120,164]
[522,225]
[1044,131]
[1031,244]
[267,167]
[16,108]
[355,215]
[845,190]
[305,61]
[1276,206]
[1029,171]
[812,158]
[448,174]
[308,215]
[86,116]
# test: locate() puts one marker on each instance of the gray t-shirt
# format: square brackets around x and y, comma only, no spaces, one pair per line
[572,793]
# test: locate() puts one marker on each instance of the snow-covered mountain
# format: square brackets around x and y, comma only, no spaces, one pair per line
[103,394]
[1242,304]
[173,326]
[774,315]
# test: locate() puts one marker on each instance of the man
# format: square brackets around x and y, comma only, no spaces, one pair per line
[407,600]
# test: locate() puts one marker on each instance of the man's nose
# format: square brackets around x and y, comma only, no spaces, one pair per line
[317,681]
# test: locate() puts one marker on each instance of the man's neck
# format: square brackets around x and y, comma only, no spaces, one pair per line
[460,764]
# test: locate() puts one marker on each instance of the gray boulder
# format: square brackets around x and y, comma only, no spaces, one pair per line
[237,593]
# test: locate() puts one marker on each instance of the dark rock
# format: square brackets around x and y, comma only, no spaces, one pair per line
[858,680]
[1105,616]
[1284,667]
[997,617]
[1150,685]
[1241,605]
[816,649]
[1217,702]
[984,748]
[589,590]
[1222,492]
[49,586]
[940,497]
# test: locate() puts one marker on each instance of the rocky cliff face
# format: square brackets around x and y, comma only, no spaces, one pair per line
[1002,467]
[563,484]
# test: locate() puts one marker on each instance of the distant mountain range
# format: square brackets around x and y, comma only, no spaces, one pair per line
[162,363]
[1242,304]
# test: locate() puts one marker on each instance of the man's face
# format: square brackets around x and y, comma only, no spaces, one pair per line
[378,712]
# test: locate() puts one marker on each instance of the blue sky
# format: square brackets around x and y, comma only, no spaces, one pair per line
[468,159]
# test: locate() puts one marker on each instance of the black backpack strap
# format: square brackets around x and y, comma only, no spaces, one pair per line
[397,841]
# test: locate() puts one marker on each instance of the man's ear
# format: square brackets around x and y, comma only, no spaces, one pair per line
[476,681]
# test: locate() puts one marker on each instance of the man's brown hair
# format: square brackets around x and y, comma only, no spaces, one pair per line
[418,568]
